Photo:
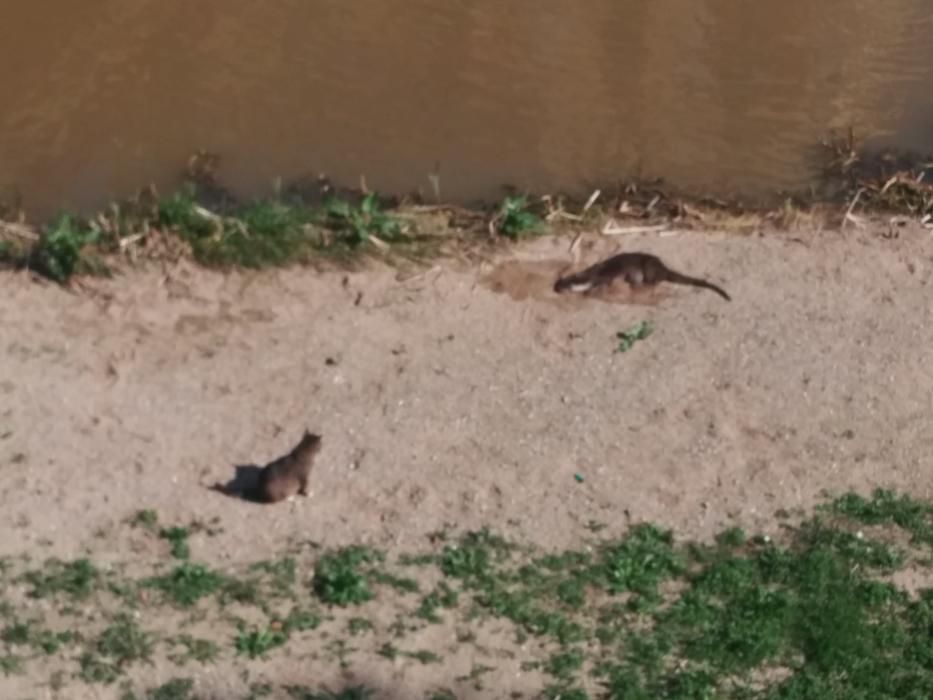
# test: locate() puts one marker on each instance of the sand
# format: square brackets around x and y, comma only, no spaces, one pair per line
[465,396]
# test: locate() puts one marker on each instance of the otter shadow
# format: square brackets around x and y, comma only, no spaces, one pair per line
[244,485]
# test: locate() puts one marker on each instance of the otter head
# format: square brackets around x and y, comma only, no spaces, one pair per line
[311,440]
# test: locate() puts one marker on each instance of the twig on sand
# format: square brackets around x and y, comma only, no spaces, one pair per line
[132,240]
[857,220]
[612,228]
[378,242]
[575,249]
[18,230]
[557,211]
[420,274]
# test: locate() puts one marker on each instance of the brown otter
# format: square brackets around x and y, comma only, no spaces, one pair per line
[279,479]
[288,475]
[638,269]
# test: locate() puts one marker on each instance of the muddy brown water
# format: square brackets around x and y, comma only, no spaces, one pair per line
[102,96]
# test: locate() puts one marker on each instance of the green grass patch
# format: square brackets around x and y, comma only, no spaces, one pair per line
[220,232]
[258,642]
[344,577]
[282,573]
[75,579]
[121,644]
[817,611]
[443,596]
[175,689]
[515,218]
[886,508]
[268,233]
[11,664]
[359,625]
[177,538]
[64,249]
[301,619]
[360,223]
[31,633]
[193,649]
[147,519]
[627,338]
[187,583]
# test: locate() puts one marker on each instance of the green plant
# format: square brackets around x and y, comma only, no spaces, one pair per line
[11,664]
[283,573]
[300,620]
[146,519]
[181,213]
[178,541]
[886,507]
[187,583]
[441,597]
[360,224]
[564,664]
[355,692]
[29,633]
[59,253]
[515,218]
[359,625]
[195,649]
[258,234]
[175,689]
[339,578]
[641,560]
[257,642]
[628,338]
[119,645]
[76,579]
[473,556]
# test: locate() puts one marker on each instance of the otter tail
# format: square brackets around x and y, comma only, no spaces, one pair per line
[680,278]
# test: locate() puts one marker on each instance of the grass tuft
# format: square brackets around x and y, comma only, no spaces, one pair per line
[187,583]
[820,613]
[118,646]
[885,507]
[342,577]
[76,579]
[359,224]
[257,642]
[178,541]
[515,218]
[62,250]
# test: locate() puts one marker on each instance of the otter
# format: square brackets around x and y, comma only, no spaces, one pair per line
[288,475]
[638,269]
[280,479]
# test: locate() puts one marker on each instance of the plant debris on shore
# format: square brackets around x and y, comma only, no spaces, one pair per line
[311,221]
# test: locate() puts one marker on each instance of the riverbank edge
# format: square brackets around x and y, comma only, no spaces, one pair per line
[312,222]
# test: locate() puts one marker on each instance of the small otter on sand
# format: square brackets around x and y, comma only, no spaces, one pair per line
[638,269]
[279,479]
[288,475]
